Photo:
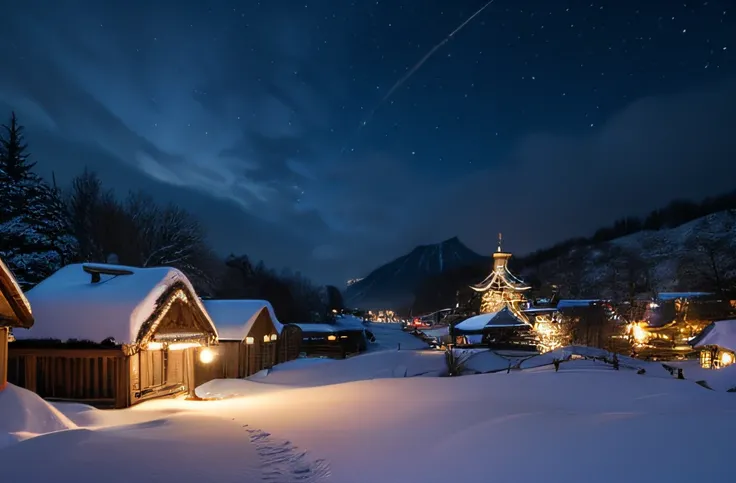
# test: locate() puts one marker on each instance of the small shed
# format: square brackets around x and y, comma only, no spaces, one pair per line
[112,336]
[251,338]
[500,330]
[15,311]
[332,340]
[717,344]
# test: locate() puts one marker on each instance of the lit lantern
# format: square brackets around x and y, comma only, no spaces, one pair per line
[206,355]
[726,358]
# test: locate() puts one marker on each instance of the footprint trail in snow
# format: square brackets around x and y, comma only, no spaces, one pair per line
[282,462]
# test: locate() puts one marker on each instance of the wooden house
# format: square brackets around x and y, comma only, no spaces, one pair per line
[498,330]
[331,340]
[15,312]
[112,336]
[250,339]
[717,344]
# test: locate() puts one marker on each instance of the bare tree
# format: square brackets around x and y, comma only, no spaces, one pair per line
[708,263]
[172,237]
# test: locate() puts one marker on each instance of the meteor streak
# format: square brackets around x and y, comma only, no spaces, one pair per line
[411,71]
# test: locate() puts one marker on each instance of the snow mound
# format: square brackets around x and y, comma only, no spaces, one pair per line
[228,388]
[23,414]
[655,369]
[487,361]
[720,380]
[300,363]
[376,365]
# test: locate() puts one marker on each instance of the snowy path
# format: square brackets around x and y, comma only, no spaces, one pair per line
[389,336]
[186,447]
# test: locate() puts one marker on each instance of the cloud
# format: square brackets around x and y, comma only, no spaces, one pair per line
[234,115]
[553,186]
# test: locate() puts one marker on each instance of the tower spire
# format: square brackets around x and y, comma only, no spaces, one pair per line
[500,240]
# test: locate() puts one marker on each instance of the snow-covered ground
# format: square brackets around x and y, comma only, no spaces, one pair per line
[364,419]
[390,336]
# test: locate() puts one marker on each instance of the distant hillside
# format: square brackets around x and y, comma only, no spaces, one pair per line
[695,256]
[699,255]
[392,285]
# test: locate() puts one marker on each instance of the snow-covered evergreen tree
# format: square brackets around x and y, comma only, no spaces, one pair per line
[35,237]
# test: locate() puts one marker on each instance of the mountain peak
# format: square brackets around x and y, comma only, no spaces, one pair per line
[392,285]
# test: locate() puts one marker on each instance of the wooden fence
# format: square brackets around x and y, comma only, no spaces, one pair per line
[98,377]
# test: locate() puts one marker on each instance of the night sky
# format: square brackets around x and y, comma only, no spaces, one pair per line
[542,119]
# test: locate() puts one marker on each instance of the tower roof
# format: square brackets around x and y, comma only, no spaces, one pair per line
[501,278]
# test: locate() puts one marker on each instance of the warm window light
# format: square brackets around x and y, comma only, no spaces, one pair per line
[206,355]
[726,358]
[249,340]
[266,338]
[154,346]
[273,337]
[331,337]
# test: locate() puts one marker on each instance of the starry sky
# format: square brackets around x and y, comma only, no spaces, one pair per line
[541,119]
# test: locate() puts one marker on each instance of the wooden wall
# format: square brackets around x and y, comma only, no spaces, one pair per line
[4,331]
[236,360]
[98,377]
[159,373]
[289,345]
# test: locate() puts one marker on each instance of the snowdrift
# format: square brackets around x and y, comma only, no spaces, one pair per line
[23,414]
[323,372]
[377,365]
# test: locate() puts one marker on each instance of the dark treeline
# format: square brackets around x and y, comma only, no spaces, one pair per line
[676,213]
[43,228]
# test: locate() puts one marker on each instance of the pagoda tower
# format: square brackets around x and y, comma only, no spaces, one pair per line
[501,288]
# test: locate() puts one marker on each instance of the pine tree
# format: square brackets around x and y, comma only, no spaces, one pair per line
[35,239]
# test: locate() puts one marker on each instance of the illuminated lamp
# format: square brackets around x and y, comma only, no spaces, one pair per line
[266,338]
[726,358]
[206,355]
[274,337]
[331,337]
[249,340]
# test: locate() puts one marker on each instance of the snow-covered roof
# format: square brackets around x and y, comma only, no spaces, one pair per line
[325,328]
[539,310]
[501,277]
[576,303]
[681,295]
[721,334]
[234,319]
[502,318]
[15,311]
[68,305]
[477,322]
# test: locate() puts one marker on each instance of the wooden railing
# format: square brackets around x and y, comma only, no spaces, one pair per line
[98,377]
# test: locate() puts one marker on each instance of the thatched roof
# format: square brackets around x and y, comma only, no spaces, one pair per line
[97,302]
[15,311]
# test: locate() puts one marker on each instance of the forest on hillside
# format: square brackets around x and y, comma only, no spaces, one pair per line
[44,227]
[685,246]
